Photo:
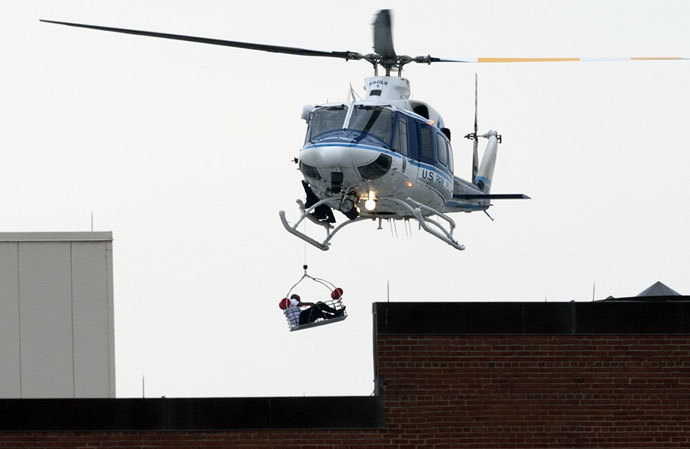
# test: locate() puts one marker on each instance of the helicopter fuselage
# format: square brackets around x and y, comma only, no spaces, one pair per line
[382,149]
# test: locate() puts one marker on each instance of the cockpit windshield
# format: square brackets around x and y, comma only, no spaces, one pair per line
[326,119]
[374,120]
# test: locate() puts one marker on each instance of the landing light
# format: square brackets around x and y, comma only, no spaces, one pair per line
[409,184]
[370,203]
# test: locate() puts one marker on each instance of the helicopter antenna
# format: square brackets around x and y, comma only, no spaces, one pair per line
[474,137]
[475,157]
[353,94]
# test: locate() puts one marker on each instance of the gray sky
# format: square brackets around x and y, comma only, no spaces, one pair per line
[184,152]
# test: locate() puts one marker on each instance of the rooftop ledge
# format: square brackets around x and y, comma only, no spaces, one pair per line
[621,316]
[192,414]
[56,237]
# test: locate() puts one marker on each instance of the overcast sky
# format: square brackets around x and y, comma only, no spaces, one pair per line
[184,152]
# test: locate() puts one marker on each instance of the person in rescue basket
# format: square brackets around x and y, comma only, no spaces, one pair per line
[314,311]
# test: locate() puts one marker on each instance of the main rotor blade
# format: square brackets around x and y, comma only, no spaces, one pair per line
[203,40]
[429,59]
[383,37]
[622,58]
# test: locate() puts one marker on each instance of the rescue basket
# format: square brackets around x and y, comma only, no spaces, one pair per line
[304,316]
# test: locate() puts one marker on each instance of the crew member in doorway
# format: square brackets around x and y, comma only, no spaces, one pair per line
[322,213]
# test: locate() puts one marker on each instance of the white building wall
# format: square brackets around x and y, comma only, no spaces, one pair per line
[56,315]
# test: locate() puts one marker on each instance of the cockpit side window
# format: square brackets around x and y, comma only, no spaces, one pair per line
[326,119]
[373,120]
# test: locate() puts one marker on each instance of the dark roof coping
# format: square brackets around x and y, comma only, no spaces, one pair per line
[187,414]
[98,236]
[631,316]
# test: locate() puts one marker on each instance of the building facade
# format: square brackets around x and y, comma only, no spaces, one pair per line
[56,315]
[608,374]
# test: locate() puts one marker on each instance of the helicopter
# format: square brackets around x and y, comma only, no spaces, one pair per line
[383,157]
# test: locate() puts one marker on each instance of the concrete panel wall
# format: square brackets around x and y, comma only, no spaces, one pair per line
[92,319]
[45,303]
[56,315]
[10,373]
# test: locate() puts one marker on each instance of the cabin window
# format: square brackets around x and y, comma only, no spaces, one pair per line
[373,120]
[400,142]
[326,119]
[427,153]
[442,149]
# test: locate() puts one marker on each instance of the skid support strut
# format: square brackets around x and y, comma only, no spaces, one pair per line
[445,235]
[306,213]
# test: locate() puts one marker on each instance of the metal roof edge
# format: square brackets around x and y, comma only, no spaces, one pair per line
[101,236]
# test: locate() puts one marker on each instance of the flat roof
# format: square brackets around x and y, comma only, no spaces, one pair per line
[56,236]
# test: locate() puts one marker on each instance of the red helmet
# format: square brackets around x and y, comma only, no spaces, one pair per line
[337,293]
[284,303]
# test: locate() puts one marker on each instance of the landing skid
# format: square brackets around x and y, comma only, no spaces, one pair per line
[306,213]
[445,235]
[415,209]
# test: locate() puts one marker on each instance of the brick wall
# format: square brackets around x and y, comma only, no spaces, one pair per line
[463,385]
[566,391]
[266,439]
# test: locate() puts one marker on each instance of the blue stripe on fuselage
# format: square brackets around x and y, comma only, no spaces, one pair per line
[354,145]
[384,151]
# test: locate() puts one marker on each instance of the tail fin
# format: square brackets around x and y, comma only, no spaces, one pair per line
[486,170]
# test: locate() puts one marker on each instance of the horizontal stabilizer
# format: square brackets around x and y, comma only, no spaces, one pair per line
[493,196]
